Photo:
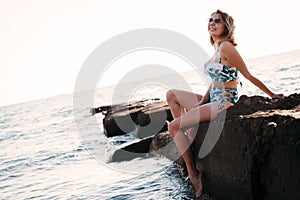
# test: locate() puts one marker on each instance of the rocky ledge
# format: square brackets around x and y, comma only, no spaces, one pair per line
[255,156]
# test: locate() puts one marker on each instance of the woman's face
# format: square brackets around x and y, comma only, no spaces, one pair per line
[216,26]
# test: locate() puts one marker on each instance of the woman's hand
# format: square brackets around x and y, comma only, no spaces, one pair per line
[274,96]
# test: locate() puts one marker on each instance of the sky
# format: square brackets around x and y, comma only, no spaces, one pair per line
[43,44]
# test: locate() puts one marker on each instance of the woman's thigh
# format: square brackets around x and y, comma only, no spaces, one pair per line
[205,112]
[184,98]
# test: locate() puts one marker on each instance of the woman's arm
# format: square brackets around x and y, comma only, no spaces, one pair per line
[231,56]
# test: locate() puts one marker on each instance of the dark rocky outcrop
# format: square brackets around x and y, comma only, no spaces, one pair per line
[256,156]
[123,118]
[134,150]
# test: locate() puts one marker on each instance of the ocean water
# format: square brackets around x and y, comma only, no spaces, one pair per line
[44,155]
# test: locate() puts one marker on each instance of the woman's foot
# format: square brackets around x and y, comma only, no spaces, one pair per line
[197,183]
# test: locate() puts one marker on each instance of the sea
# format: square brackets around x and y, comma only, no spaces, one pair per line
[47,152]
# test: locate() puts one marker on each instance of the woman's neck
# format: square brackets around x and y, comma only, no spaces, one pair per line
[217,43]
[216,46]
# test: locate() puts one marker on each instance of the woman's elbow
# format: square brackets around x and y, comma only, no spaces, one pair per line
[249,77]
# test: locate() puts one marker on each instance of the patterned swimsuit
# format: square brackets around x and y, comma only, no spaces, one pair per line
[223,74]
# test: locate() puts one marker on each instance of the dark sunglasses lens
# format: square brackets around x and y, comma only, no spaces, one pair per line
[217,21]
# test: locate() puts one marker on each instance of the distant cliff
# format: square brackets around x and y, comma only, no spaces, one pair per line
[257,155]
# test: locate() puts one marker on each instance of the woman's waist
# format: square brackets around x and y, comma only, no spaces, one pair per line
[230,84]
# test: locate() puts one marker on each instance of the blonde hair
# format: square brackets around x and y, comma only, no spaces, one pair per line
[228,29]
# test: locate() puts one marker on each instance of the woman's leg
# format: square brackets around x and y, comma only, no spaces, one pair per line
[202,113]
[179,100]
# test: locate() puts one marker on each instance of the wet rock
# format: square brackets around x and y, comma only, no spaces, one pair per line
[131,151]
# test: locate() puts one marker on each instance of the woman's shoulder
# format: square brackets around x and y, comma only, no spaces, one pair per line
[226,45]
[228,53]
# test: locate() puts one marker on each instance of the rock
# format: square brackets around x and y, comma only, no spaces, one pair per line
[163,144]
[147,116]
[151,119]
[134,150]
[247,105]
[109,109]
[257,155]
[121,118]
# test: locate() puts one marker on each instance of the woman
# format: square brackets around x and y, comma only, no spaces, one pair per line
[223,69]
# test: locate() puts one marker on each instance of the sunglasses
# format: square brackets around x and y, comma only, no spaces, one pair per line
[217,21]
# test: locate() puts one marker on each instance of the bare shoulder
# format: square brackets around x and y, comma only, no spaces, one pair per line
[227,46]
[230,55]
[228,50]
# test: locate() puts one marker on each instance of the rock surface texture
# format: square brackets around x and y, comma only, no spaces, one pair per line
[123,118]
[255,156]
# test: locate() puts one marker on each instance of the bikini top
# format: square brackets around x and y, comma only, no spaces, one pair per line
[221,73]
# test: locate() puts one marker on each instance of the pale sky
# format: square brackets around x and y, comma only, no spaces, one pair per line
[43,44]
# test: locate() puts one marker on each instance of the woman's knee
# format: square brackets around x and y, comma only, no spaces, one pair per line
[170,95]
[173,128]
